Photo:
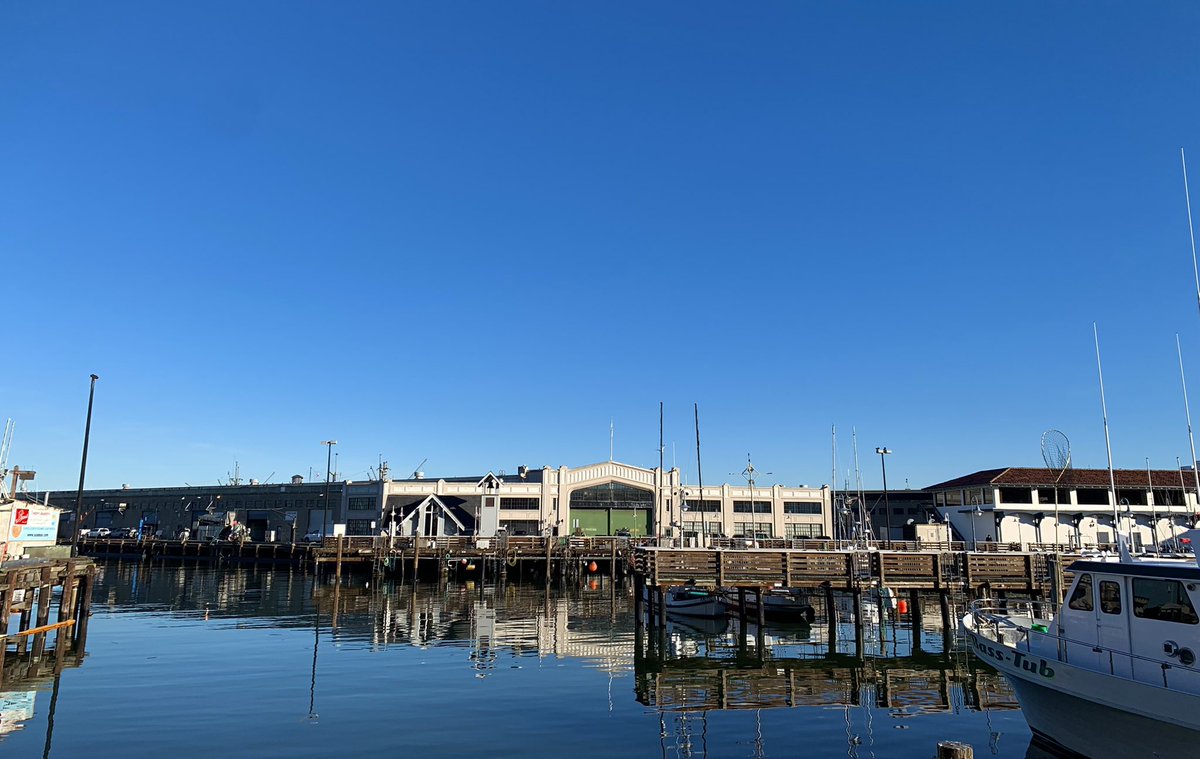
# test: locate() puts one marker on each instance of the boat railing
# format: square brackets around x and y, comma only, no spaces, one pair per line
[999,618]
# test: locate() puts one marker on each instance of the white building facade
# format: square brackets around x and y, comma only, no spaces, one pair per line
[607,498]
[1078,508]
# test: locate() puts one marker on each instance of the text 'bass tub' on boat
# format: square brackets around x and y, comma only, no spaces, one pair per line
[1113,672]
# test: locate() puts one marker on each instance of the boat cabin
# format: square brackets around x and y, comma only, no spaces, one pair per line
[1136,620]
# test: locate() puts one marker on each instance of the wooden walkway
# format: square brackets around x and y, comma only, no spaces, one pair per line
[27,591]
[760,568]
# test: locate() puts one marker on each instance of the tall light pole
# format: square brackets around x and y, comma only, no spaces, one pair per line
[883,463]
[329,444]
[87,433]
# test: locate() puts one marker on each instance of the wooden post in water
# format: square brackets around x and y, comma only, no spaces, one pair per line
[954,750]
[85,609]
[856,595]
[947,630]
[914,612]
[45,591]
[760,640]
[337,570]
[831,617]
[742,610]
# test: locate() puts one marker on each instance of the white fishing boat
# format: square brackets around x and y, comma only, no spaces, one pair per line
[1111,673]
[691,601]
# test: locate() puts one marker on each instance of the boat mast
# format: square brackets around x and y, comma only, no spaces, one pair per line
[700,479]
[1112,480]
[833,486]
[1191,231]
[1188,413]
[1153,510]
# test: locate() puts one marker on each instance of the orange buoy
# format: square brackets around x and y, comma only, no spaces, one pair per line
[470,567]
[902,606]
[592,567]
[593,585]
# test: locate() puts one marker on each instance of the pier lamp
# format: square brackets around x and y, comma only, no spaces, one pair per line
[329,444]
[882,463]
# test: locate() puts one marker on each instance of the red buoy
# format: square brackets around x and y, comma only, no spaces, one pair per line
[592,567]
[902,606]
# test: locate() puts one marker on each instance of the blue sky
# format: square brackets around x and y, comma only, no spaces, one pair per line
[474,233]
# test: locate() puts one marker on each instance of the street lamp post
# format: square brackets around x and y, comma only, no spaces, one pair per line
[87,432]
[882,463]
[329,444]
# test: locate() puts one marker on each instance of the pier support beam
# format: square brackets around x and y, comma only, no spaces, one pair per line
[831,618]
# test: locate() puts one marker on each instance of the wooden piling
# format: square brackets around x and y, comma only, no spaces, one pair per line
[858,622]
[831,618]
[914,613]
[954,750]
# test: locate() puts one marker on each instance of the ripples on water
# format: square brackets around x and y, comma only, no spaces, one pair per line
[193,662]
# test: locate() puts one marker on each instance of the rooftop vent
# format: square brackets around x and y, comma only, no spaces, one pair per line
[297,479]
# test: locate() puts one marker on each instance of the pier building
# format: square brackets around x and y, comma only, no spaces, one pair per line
[1016,505]
[607,498]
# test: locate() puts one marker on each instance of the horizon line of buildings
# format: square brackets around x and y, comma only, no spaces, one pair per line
[1025,506]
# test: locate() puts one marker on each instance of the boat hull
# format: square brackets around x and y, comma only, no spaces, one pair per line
[690,603]
[1078,727]
[1093,714]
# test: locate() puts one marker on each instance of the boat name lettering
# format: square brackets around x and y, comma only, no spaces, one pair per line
[1016,658]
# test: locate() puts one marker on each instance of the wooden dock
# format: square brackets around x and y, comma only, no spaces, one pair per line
[1036,574]
[27,591]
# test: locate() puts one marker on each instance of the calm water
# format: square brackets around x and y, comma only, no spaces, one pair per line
[193,662]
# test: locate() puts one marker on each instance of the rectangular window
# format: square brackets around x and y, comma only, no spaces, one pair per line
[1046,496]
[751,529]
[1016,495]
[1091,497]
[954,498]
[1164,600]
[802,507]
[802,530]
[361,503]
[708,507]
[1132,496]
[1110,597]
[358,526]
[520,503]
[1081,598]
[760,507]
[1168,497]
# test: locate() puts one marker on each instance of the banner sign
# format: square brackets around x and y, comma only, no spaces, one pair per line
[34,525]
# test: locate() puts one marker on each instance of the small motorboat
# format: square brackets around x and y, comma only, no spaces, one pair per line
[778,603]
[691,601]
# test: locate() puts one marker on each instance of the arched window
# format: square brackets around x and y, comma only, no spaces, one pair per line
[611,495]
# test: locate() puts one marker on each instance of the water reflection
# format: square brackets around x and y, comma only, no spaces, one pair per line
[706,684]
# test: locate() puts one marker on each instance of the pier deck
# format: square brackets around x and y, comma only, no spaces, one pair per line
[28,590]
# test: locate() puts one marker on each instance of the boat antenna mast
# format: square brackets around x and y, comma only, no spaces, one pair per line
[1188,414]
[1056,452]
[1112,480]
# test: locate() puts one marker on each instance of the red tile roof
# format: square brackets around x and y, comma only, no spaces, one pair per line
[1072,478]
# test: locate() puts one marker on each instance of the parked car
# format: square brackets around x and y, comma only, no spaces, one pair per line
[314,536]
[99,532]
[622,532]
